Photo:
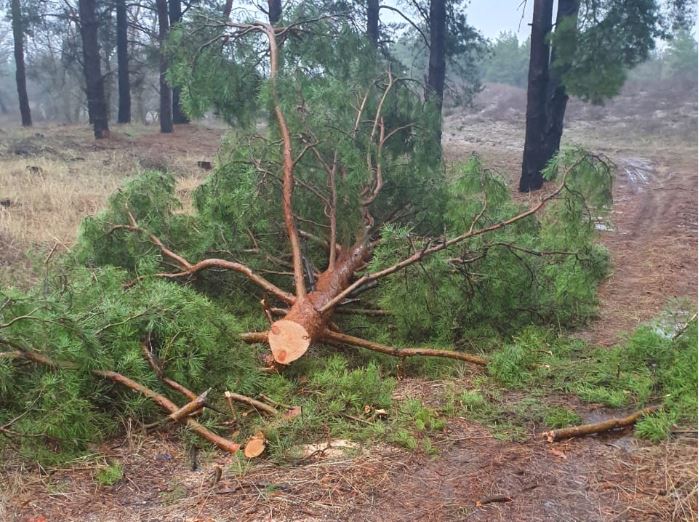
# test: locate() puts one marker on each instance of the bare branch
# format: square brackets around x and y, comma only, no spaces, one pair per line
[160,400]
[340,338]
[259,406]
[188,269]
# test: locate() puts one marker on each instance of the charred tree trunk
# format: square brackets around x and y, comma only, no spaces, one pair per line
[557,97]
[178,115]
[274,11]
[94,82]
[21,75]
[372,22]
[535,147]
[165,92]
[122,42]
[434,91]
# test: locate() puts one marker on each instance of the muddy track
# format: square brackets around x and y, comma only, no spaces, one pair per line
[652,242]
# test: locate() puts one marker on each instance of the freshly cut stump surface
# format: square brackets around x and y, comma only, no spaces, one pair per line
[288,341]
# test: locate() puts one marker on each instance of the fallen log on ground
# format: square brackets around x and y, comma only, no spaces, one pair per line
[597,427]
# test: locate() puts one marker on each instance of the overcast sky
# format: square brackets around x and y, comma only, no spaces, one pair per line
[491,17]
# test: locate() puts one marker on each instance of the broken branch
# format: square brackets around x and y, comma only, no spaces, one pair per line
[259,406]
[597,427]
[344,339]
[159,399]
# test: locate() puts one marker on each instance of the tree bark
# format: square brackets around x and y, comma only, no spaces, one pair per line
[122,40]
[227,8]
[165,92]
[535,148]
[436,73]
[372,22]
[94,82]
[307,320]
[178,115]
[274,11]
[21,75]
[557,96]
[598,427]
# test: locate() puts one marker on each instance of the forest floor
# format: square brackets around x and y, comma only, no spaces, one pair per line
[652,236]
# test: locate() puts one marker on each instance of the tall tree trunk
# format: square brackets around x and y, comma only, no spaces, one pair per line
[436,72]
[557,97]
[178,115]
[122,40]
[227,8]
[535,148]
[372,21]
[165,92]
[21,75]
[274,11]
[94,82]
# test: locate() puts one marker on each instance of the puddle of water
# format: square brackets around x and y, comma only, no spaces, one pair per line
[639,171]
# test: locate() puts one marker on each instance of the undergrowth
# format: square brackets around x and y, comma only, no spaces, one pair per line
[100,305]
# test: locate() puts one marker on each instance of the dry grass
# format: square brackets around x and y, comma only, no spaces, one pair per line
[51,179]
[49,197]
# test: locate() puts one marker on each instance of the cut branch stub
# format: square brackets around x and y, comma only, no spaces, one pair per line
[288,341]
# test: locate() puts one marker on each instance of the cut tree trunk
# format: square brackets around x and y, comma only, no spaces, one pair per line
[535,149]
[290,337]
[122,39]
[165,91]
[94,82]
[21,75]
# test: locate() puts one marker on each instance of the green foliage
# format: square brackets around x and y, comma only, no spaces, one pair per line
[542,269]
[341,389]
[87,319]
[110,474]
[209,78]
[653,366]
[507,61]
[561,417]
[595,51]
[655,427]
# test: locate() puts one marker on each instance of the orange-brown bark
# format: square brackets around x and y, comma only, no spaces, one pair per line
[288,343]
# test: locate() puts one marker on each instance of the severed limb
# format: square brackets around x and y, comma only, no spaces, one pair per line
[160,400]
[259,406]
[188,269]
[597,427]
[188,409]
[337,338]
[344,339]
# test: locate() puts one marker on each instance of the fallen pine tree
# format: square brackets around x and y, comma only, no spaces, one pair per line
[347,178]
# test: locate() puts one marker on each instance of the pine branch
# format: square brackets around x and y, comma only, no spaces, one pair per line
[419,255]
[344,339]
